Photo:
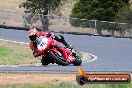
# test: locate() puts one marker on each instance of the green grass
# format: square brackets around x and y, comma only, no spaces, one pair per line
[11,53]
[3,51]
[66,85]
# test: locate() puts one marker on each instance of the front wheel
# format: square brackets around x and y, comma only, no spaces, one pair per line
[58,59]
[77,61]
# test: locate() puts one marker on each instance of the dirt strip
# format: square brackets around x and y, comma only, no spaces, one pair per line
[36,78]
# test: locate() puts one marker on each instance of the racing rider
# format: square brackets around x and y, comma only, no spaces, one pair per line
[34,34]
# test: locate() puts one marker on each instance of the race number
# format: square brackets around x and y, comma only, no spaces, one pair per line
[43,44]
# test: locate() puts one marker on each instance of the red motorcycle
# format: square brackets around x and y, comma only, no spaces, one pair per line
[53,51]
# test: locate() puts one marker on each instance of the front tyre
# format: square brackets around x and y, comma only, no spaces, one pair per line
[58,59]
[77,61]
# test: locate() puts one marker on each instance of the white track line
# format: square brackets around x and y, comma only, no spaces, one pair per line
[95,57]
[85,59]
[14,41]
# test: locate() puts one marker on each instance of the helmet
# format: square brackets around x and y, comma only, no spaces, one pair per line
[32,34]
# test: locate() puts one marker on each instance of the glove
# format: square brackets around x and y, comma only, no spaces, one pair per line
[50,34]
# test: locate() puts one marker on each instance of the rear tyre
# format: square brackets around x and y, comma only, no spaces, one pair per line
[58,59]
[77,61]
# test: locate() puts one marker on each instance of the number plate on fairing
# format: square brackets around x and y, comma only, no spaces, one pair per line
[43,44]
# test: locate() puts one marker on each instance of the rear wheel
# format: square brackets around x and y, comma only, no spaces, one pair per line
[58,58]
[77,61]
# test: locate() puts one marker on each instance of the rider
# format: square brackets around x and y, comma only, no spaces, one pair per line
[34,34]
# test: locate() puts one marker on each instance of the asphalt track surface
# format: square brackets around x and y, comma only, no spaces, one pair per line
[114,54]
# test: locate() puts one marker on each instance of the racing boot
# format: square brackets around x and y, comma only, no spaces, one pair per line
[61,39]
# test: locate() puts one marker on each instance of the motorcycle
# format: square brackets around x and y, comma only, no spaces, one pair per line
[53,51]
